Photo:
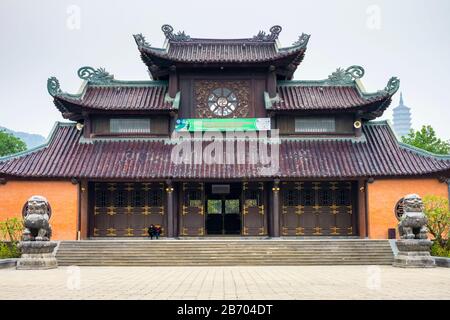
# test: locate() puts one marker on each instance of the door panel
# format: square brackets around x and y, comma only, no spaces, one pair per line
[192,210]
[127,209]
[223,209]
[232,216]
[254,217]
[214,216]
[317,208]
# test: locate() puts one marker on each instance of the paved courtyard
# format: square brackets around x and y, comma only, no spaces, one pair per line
[290,282]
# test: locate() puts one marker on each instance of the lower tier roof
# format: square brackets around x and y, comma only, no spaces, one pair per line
[68,155]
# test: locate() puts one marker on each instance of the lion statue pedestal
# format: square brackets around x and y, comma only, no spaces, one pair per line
[37,249]
[414,246]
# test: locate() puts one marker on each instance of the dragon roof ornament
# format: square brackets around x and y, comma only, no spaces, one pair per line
[273,35]
[347,76]
[140,40]
[352,73]
[180,36]
[53,87]
[302,40]
[97,76]
[392,86]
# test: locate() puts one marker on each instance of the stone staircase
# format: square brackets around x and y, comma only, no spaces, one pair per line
[224,252]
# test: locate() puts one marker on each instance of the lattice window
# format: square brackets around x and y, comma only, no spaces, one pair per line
[307,197]
[315,125]
[399,208]
[343,197]
[325,197]
[193,198]
[154,198]
[223,98]
[130,125]
[252,198]
[291,198]
[137,198]
[101,198]
[120,198]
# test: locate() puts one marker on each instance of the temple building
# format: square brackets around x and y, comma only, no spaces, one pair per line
[334,169]
[402,118]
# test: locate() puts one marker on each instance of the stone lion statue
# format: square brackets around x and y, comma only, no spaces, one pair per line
[413,223]
[36,215]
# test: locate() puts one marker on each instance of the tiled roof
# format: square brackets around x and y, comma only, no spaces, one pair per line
[206,51]
[342,90]
[301,97]
[145,97]
[376,154]
[182,50]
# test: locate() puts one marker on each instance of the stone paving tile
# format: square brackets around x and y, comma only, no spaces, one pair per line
[230,283]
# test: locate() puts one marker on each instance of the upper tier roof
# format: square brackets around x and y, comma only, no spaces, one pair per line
[376,154]
[184,51]
[101,92]
[342,91]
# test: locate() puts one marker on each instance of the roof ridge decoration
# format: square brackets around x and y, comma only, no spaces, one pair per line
[180,36]
[140,40]
[302,40]
[97,76]
[347,76]
[272,36]
[89,74]
[53,86]
[393,85]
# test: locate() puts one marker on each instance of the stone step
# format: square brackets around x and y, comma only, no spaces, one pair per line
[223,247]
[223,252]
[241,263]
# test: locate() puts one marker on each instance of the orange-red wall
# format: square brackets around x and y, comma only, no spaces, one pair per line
[384,194]
[62,196]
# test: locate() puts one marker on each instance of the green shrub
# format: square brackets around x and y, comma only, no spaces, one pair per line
[438,214]
[10,232]
[438,251]
[9,250]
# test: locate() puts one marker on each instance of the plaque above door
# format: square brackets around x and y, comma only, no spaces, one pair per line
[222,98]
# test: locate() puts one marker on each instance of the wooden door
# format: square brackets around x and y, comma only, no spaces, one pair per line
[254,216]
[192,209]
[127,209]
[317,209]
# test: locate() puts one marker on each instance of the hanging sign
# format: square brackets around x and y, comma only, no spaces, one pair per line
[228,124]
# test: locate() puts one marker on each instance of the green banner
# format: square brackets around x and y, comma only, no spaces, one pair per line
[228,124]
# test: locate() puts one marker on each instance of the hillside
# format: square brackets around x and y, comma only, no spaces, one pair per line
[30,139]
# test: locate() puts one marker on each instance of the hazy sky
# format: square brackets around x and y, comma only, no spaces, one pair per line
[408,39]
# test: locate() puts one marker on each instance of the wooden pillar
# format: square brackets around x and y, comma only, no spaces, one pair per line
[170,213]
[87,125]
[176,200]
[275,231]
[362,210]
[173,82]
[83,224]
[272,82]
[358,127]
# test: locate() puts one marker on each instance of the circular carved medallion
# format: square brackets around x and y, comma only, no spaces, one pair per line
[222,98]
[222,101]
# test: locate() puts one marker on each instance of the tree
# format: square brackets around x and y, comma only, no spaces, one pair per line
[438,214]
[10,144]
[426,139]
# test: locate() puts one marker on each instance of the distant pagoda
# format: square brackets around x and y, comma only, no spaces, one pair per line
[402,118]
